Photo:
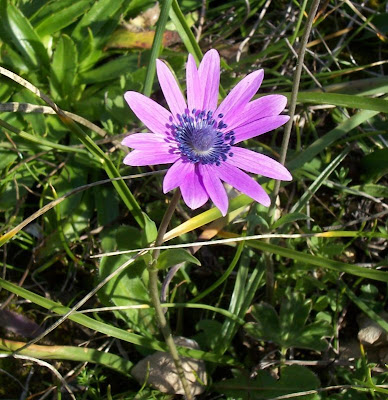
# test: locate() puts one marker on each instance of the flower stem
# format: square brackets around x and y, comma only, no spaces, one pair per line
[154,294]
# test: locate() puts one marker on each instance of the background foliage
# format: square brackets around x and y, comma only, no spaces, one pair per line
[257,343]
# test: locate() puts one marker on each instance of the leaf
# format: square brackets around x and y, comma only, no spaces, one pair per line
[37,121]
[110,330]
[111,70]
[375,165]
[150,231]
[171,257]
[124,39]
[289,329]
[64,68]
[57,15]
[325,141]
[286,219]
[320,262]
[16,28]
[293,379]
[343,100]
[372,189]
[107,204]
[267,325]
[129,287]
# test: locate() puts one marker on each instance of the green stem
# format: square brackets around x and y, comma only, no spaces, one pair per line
[270,281]
[154,294]
[294,93]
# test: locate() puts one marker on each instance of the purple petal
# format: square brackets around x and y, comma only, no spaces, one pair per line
[242,182]
[194,88]
[138,158]
[241,94]
[170,88]
[209,75]
[259,127]
[145,141]
[176,175]
[265,106]
[154,117]
[258,164]
[193,191]
[214,187]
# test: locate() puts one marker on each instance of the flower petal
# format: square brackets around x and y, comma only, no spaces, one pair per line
[146,141]
[176,175]
[154,117]
[265,106]
[259,127]
[209,75]
[258,164]
[193,191]
[214,187]
[194,88]
[242,182]
[170,88]
[138,158]
[240,95]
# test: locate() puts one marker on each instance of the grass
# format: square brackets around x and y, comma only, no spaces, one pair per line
[66,197]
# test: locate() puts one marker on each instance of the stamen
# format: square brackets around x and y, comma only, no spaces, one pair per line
[200,138]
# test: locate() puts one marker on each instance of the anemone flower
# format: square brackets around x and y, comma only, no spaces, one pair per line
[199,138]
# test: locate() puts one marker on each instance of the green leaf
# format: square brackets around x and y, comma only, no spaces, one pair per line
[37,121]
[343,100]
[64,68]
[375,164]
[57,15]
[299,205]
[293,379]
[72,353]
[289,329]
[110,330]
[267,325]
[320,262]
[372,189]
[16,28]
[150,231]
[107,204]
[325,141]
[288,218]
[129,287]
[100,20]
[111,70]
[169,258]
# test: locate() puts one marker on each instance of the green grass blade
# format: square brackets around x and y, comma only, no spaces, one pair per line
[156,46]
[109,329]
[72,353]
[298,206]
[321,262]
[342,100]
[325,141]
[185,32]
[363,307]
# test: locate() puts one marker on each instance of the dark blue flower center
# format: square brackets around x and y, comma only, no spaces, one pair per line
[201,138]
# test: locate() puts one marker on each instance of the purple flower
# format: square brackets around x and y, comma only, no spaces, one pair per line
[199,138]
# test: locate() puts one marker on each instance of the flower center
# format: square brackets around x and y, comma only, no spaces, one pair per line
[201,138]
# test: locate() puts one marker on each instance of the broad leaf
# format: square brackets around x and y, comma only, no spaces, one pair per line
[288,329]
[293,379]
[172,257]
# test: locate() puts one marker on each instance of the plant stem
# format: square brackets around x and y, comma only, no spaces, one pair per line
[154,293]
[294,93]
[270,281]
